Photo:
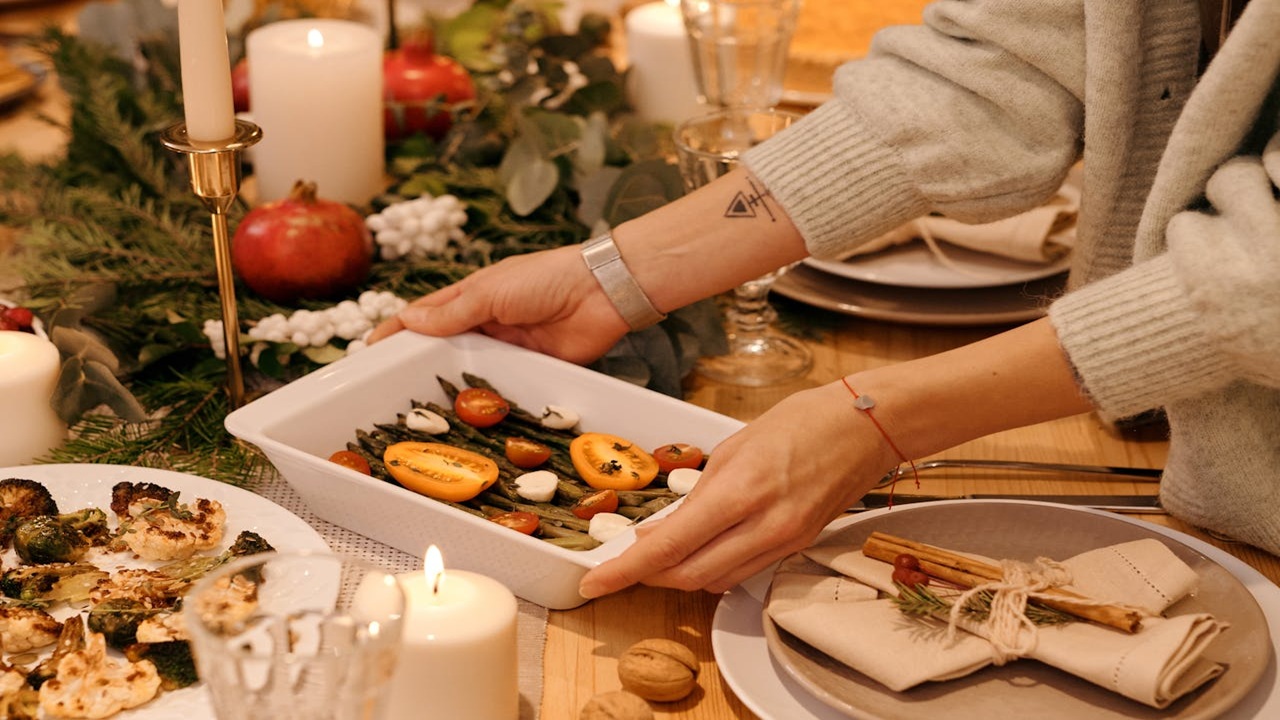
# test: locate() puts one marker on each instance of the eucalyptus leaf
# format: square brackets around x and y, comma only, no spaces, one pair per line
[593,191]
[593,139]
[85,384]
[523,152]
[532,185]
[642,188]
[325,354]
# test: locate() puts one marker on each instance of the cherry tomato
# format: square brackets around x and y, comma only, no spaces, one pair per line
[597,502]
[520,521]
[678,455]
[347,458]
[440,471]
[525,453]
[480,407]
[608,461]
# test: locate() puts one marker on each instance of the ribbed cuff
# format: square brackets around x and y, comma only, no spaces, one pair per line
[838,183]
[1135,341]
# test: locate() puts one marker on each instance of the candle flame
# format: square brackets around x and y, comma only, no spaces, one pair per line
[433,568]
[315,38]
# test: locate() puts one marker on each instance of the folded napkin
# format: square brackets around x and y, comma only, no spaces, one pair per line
[1040,235]
[1155,666]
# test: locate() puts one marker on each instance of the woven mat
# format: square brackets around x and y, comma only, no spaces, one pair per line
[531,626]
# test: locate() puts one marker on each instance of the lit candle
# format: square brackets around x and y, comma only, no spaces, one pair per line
[660,82]
[206,71]
[315,87]
[458,653]
[28,373]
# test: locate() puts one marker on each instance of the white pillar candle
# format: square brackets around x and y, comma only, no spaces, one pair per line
[458,651]
[315,87]
[660,81]
[206,70]
[28,373]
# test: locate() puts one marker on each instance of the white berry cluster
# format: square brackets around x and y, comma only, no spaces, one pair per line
[350,320]
[417,228]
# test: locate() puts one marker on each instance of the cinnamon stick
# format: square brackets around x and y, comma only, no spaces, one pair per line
[968,572]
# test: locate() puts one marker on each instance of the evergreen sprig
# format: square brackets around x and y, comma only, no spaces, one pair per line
[920,600]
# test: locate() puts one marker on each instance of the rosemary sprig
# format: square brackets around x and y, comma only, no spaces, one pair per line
[921,601]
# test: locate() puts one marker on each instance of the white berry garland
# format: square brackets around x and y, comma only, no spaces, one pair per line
[350,320]
[418,228]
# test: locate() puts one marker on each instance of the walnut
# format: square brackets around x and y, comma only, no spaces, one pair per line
[616,705]
[658,669]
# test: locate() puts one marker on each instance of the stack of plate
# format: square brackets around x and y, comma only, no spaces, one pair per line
[912,284]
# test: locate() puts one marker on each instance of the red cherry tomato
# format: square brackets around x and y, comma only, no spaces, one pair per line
[480,407]
[520,521]
[346,458]
[678,455]
[597,502]
[525,453]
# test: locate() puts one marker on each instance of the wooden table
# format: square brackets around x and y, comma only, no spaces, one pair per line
[583,644]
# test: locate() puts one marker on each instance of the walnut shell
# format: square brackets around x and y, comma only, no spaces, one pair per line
[616,705]
[659,670]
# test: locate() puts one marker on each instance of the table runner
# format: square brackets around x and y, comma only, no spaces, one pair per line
[531,624]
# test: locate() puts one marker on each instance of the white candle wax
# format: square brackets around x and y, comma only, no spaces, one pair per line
[28,373]
[206,70]
[661,83]
[315,87]
[458,653]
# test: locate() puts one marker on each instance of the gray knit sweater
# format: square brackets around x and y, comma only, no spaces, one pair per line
[1175,287]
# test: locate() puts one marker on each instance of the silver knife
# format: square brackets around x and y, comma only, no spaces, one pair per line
[1136,504]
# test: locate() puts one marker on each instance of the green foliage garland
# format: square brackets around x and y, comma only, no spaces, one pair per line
[116,257]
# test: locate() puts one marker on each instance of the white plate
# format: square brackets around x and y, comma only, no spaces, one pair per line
[740,648]
[915,265]
[79,486]
[1001,305]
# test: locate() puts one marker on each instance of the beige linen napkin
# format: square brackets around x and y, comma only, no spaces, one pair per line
[1154,666]
[1041,235]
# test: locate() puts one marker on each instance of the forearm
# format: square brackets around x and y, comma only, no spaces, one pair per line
[702,244]
[1017,378]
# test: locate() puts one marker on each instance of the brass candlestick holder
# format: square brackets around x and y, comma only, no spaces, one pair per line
[215,178]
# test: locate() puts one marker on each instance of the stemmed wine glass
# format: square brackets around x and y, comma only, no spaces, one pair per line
[739,50]
[707,147]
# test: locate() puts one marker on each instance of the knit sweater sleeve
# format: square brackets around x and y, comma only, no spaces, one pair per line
[975,114]
[1197,318]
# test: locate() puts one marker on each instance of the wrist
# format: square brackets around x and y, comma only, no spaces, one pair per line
[605,262]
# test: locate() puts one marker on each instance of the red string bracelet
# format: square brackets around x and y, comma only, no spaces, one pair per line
[865,403]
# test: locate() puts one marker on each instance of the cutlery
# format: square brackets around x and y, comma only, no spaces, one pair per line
[1121,474]
[1135,504]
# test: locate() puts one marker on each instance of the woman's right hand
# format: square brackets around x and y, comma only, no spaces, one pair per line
[546,301]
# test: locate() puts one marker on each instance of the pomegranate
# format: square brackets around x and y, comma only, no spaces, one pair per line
[301,247]
[240,85]
[419,89]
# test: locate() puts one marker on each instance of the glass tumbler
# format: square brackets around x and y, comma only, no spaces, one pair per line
[739,48]
[707,147]
[296,636]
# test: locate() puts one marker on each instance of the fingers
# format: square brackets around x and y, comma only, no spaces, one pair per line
[661,546]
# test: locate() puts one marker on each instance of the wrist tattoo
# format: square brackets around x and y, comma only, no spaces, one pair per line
[750,203]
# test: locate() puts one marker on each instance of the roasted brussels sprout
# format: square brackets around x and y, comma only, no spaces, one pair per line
[69,582]
[172,659]
[46,539]
[118,620]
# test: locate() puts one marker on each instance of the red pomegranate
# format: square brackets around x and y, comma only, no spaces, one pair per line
[302,247]
[419,89]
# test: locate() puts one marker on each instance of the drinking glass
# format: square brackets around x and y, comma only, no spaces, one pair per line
[296,636]
[707,147]
[739,48]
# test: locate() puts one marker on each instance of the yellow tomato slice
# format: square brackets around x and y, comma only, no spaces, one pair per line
[611,462]
[440,471]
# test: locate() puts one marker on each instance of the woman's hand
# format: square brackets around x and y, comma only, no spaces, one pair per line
[766,492]
[546,301]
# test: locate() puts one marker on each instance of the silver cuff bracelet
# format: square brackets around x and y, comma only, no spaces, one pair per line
[604,261]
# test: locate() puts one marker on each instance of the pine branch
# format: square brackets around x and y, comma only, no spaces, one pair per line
[919,600]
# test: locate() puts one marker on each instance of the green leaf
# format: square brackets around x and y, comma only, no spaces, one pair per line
[531,185]
[643,187]
[593,192]
[85,384]
[593,134]
[324,355]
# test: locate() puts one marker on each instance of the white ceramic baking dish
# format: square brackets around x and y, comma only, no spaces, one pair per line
[299,425]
